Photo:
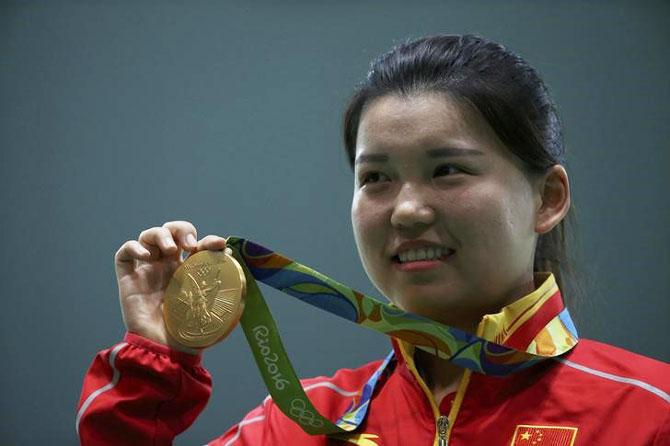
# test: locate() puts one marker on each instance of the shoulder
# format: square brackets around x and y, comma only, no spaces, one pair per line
[344,382]
[333,394]
[614,367]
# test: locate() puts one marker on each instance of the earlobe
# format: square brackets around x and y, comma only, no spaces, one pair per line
[555,199]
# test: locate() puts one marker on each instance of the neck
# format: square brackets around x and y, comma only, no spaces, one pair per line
[443,377]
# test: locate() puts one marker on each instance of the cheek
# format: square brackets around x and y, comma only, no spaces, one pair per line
[499,225]
[356,216]
[482,220]
[367,221]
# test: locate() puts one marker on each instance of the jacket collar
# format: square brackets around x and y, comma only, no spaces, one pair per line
[527,324]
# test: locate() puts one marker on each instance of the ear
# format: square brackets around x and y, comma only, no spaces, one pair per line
[554,189]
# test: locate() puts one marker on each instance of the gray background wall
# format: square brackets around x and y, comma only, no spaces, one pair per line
[118,116]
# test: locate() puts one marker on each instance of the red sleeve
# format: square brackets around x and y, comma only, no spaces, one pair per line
[140,392]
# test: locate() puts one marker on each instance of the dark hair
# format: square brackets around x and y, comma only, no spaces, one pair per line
[507,92]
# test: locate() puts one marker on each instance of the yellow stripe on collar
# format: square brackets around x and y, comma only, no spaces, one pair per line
[500,326]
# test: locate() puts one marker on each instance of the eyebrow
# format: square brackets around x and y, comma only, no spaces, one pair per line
[439,152]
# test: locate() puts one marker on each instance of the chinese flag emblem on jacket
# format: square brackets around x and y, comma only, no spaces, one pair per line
[529,435]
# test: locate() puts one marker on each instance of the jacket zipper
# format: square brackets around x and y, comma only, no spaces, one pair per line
[442,429]
[441,421]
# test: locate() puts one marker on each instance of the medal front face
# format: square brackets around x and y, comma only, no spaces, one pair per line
[204,299]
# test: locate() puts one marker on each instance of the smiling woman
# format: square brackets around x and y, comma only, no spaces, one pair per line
[446,181]
[460,208]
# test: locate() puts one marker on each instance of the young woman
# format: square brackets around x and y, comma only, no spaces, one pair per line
[459,212]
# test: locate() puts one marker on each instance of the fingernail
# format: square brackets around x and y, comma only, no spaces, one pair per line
[191,240]
[168,241]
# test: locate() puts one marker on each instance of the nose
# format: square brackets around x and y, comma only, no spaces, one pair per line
[411,208]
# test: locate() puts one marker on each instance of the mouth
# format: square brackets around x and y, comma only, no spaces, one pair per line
[422,255]
[418,262]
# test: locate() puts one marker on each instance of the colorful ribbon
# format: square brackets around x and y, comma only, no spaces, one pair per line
[462,348]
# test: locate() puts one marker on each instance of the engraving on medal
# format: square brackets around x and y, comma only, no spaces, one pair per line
[198,300]
[204,299]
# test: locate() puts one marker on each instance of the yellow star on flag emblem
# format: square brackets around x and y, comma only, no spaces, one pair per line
[536,435]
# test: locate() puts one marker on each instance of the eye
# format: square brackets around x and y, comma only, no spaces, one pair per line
[371,178]
[445,169]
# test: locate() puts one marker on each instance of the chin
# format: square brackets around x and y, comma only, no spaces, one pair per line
[437,307]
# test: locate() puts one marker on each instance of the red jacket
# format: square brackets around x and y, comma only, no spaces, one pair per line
[140,392]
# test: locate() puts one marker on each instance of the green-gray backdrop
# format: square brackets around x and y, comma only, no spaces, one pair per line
[118,116]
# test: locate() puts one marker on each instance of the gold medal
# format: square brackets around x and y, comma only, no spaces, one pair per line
[204,299]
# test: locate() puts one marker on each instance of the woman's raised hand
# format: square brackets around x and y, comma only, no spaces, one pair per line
[143,270]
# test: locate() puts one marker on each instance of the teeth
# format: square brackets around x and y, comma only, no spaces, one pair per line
[421,254]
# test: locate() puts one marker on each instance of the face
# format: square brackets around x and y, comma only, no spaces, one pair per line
[433,181]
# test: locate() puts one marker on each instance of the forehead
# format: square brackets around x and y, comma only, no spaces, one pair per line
[419,121]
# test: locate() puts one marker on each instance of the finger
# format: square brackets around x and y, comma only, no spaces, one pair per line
[184,232]
[160,238]
[155,251]
[212,242]
[125,256]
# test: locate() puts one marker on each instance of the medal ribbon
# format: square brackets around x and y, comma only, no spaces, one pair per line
[273,269]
